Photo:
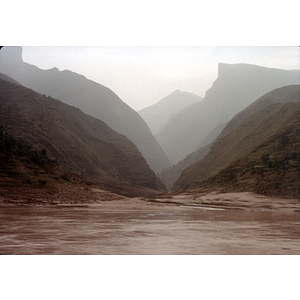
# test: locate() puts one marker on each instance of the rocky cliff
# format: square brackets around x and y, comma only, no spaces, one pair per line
[236,87]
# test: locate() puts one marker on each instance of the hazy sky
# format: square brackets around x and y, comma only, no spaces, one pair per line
[142,76]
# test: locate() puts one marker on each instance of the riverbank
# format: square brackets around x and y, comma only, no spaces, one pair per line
[92,194]
[233,201]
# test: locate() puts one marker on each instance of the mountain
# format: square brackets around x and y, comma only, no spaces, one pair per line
[22,165]
[236,87]
[266,132]
[170,175]
[92,98]
[79,143]
[158,114]
[4,77]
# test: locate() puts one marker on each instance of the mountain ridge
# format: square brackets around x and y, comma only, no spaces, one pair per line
[80,143]
[158,114]
[266,119]
[91,97]
[237,86]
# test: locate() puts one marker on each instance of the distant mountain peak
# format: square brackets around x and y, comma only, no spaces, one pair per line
[239,69]
[180,93]
[237,86]
[158,114]
[258,129]
[177,92]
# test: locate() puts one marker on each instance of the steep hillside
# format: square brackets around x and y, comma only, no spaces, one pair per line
[272,169]
[170,175]
[236,87]
[158,114]
[91,97]
[4,77]
[78,142]
[271,118]
[22,165]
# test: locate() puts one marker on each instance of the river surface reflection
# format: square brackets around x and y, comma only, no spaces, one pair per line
[175,230]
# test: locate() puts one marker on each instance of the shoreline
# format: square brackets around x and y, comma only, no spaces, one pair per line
[80,195]
[244,201]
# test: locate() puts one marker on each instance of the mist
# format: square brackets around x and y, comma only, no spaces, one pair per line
[141,76]
[251,210]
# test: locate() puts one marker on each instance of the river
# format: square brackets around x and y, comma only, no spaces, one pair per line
[94,229]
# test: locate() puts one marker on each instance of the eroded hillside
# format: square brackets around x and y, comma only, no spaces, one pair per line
[251,142]
[79,143]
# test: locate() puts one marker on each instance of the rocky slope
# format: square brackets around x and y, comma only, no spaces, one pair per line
[158,114]
[91,97]
[236,87]
[264,135]
[78,142]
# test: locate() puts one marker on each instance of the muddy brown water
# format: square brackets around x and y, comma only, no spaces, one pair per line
[94,229]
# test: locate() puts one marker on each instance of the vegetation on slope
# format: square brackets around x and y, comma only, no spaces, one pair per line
[272,169]
[92,98]
[237,86]
[21,163]
[80,143]
[257,141]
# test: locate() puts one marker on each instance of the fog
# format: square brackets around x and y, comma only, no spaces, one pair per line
[141,76]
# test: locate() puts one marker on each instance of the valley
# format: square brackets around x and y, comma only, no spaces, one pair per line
[70,143]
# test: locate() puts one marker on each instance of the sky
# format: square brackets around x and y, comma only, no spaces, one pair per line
[147,50]
[141,75]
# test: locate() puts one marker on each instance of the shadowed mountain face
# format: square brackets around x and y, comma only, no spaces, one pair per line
[236,87]
[91,97]
[260,129]
[78,142]
[158,115]
[4,77]
[170,175]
